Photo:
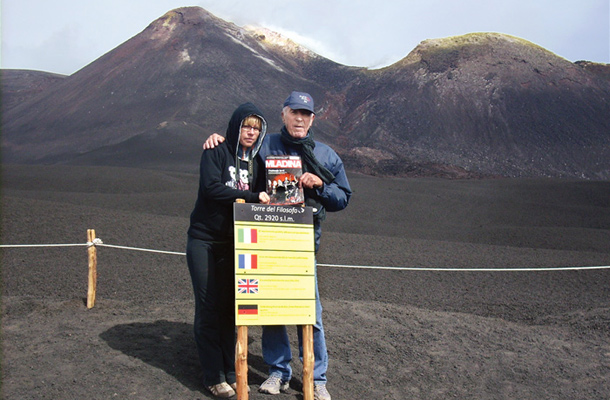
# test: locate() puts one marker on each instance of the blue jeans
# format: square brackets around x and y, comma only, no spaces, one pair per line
[277,353]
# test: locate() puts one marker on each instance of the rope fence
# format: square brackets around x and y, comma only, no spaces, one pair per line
[99,243]
[94,242]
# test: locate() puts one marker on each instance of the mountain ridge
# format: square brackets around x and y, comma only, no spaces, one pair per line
[481,104]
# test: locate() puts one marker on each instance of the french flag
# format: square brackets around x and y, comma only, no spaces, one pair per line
[247,235]
[248,261]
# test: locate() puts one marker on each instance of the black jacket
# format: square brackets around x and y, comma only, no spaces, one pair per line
[223,178]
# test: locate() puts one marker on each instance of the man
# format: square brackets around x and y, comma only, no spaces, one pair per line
[326,188]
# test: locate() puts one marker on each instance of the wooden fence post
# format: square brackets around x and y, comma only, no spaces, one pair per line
[92,252]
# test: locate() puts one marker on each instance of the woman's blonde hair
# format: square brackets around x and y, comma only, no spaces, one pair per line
[253,120]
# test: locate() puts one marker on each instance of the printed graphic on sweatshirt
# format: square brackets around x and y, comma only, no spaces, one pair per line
[242,183]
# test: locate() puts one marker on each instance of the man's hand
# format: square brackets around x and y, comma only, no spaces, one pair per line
[214,140]
[310,181]
[264,198]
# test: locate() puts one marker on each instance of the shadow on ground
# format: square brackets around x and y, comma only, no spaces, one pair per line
[170,347]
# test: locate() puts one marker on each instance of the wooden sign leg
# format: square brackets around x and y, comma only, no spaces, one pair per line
[308,362]
[92,253]
[241,362]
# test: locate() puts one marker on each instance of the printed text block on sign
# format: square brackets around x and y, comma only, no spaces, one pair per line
[270,236]
[273,312]
[278,287]
[274,262]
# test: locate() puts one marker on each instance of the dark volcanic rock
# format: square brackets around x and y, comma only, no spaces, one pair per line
[489,103]
[188,66]
[474,105]
[602,70]
[20,85]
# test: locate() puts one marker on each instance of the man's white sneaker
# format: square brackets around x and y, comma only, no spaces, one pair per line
[273,385]
[320,392]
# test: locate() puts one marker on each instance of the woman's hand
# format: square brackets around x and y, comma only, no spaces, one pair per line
[264,198]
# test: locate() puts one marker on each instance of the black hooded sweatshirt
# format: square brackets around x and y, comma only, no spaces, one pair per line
[221,183]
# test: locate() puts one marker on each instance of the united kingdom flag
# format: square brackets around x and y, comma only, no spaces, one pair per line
[247,286]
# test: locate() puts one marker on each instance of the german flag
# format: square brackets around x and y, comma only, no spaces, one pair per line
[247,309]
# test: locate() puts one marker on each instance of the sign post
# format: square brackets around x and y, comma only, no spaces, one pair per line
[274,278]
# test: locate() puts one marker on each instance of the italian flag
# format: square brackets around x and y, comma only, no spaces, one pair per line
[248,261]
[246,235]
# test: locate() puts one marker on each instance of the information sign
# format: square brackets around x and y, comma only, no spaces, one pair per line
[274,265]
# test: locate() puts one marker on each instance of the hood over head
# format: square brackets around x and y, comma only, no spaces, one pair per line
[234,128]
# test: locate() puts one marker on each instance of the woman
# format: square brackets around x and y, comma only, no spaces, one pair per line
[228,172]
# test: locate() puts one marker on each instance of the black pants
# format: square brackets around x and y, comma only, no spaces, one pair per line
[211,265]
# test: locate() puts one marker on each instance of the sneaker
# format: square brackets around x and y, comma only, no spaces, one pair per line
[320,392]
[222,390]
[273,385]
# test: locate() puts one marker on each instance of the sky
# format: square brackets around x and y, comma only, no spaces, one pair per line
[63,36]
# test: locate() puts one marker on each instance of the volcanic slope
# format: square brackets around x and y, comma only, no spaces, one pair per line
[472,105]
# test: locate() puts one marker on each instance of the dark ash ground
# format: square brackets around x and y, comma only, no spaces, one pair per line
[392,334]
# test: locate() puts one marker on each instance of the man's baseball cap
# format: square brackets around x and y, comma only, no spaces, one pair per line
[299,101]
